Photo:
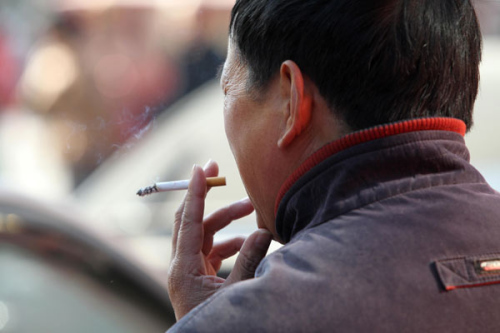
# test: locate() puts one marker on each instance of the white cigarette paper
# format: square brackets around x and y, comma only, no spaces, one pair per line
[178,185]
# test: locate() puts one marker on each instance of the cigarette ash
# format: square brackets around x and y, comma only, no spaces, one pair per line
[147,190]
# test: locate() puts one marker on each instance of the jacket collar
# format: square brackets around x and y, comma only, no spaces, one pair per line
[359,161]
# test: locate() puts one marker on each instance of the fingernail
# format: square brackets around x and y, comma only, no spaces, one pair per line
[207,164]
[264,231]
[264,238]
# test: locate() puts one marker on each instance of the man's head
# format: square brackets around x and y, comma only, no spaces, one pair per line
[301,73]
[374,61]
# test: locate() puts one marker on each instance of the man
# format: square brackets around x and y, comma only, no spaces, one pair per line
[346,119]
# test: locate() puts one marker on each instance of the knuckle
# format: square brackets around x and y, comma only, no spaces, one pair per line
[179,212]
[174,285]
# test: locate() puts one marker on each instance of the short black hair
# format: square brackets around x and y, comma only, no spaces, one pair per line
[374,61]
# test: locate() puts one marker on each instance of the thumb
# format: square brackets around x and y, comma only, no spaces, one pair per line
[252,252]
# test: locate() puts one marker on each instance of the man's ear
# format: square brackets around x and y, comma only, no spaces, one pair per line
[299,106]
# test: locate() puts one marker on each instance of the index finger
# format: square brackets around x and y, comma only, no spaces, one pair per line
[190,235]
[211,169]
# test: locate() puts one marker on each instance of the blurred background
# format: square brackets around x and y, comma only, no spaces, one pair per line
[99,98]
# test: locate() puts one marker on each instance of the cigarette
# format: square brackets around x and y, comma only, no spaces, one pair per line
[178,185]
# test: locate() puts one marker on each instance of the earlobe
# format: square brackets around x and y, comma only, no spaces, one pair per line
[298,115]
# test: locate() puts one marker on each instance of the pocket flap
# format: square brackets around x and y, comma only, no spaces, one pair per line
[467,272]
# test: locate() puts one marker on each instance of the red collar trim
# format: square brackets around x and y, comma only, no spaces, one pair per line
[378,132]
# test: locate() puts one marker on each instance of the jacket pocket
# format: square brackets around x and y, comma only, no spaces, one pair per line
[470,271]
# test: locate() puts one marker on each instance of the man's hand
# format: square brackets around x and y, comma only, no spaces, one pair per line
[195,259]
